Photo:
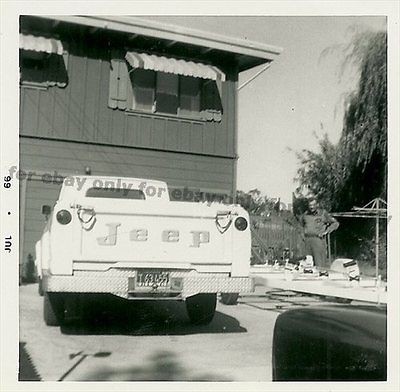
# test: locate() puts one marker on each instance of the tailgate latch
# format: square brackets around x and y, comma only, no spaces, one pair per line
[87,216]
[223,220]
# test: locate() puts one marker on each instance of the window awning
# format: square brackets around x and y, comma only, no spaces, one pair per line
[40,44]
[174,66]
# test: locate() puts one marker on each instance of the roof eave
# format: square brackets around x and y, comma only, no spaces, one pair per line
[133,25]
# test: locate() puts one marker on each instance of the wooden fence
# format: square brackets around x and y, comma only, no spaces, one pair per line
[273,236]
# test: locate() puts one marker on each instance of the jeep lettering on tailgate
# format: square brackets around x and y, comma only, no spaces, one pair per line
[198,237]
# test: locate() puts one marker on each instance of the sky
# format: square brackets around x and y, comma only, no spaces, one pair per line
[298,98]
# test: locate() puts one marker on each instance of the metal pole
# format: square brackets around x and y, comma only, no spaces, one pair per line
[335,247]
[329,249]
[377,245]
[254,76]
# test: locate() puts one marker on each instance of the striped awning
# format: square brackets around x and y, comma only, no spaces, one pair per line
[174,66]
[40,44]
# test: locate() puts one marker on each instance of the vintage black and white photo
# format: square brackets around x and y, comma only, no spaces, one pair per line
[202,198]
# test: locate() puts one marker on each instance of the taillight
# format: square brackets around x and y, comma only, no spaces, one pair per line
[241,223]
[64,217]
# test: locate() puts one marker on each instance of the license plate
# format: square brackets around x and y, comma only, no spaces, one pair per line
[152,279]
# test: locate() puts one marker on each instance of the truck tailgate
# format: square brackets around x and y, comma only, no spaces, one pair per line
[136,231]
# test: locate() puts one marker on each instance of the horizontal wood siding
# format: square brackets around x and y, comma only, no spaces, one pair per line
[176,168]
[80,112]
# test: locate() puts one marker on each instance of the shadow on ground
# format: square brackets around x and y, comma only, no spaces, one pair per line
[162,366]
[27,371]
[112,316]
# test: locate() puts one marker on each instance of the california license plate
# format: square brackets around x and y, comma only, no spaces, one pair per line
[152,279]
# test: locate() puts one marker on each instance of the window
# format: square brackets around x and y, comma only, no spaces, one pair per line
[167,93]
[189,93]
[148,91]
[143,84]
[210,100]
[185,96]
[43,62]
[42,70]
[116,193]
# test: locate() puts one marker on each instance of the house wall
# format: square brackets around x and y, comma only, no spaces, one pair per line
[64,130]
[80,112]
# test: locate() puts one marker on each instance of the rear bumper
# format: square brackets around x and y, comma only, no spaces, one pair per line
[121,282]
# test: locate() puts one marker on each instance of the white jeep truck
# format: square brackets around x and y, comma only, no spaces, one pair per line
[123,236]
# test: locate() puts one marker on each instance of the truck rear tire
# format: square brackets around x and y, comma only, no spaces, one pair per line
[53,309]
[201,308]
[229,298]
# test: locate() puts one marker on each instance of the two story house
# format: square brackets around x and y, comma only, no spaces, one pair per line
[124,96]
